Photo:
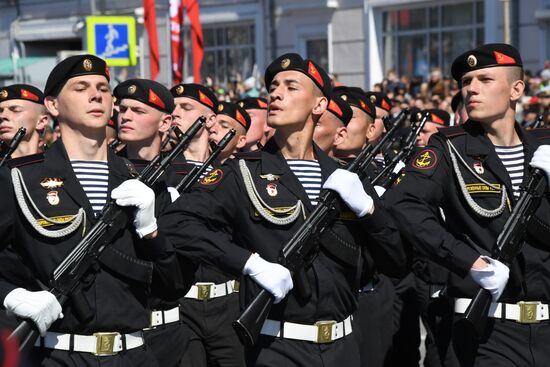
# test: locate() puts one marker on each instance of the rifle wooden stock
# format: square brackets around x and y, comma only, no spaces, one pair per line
[508,246]
[295,252]
[66,277]
[19,135]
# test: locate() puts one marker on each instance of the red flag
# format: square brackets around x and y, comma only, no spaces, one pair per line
[176,40]
[150,17]
[196,37]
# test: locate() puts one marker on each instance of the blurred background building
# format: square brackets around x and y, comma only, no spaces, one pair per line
[359,41]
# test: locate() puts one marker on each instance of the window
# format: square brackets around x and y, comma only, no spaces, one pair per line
[417,39]
[229,52]
[317,50]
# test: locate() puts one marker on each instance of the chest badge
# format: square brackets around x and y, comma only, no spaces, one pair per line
[271,189]
[478,167]
[51,183]
[270,177]
[53,197]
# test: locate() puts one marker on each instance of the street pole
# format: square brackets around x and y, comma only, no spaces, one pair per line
[506,11]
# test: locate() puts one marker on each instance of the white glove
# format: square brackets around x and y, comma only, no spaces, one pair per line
[492,278]
[350,189]
[40,307]
[541,159]
[174,194]
[398,167]
[379,190]
[136,193]
[273,277]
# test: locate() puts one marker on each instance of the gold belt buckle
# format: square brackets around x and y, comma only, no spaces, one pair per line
[528,312]
[236,286]
[324,331]
[203,291]
[105,344]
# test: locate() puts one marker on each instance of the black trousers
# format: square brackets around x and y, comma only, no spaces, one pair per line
[213,342]
[406,340]
[437,317]
[373,323]
[168,343]
[277,352]
[505,344]
[137,357]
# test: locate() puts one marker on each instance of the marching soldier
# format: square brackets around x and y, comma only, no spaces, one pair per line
[383,107]
[55,198]
[145,115]
[241,216]
[259,132]
[22,105]
[436,119]
[331,129]
[474,173]
[193,101]
[230,116]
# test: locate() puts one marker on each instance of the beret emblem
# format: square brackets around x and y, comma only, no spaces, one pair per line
[87,64]
[472,61]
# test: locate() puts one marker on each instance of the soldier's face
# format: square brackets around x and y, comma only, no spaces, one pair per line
[17,113]
[256,131]
[84,102]
[488,93]
[187,111]
[139,122]
[325,131]
[377,129]
[357,130]
[221,127]
[428,130]
[291,99]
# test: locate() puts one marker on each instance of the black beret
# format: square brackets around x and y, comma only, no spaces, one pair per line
[356,97]
[438,116]
[340,109]
[457,99]
[199,93]
[147,91]
[236,112]
[21,91]
[486,56]
[74,66]
[308,67]
[253,103]
[380,100]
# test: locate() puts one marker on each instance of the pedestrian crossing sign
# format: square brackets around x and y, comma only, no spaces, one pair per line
[112,38]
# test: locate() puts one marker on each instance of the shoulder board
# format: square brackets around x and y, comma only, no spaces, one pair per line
[25,160]
[253,155]
[453,131]
[541,134]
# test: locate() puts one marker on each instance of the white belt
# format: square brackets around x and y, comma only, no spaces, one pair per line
[205,291]
[99,344]
[522,312]
[165,317]
[320,332]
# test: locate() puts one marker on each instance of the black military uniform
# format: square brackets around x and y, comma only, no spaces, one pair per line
[461,173]
[51,213]
[166,335]
[212,303]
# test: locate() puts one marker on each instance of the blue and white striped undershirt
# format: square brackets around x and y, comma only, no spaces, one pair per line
[199,164]
[94,179]
[513,159]
[308,173]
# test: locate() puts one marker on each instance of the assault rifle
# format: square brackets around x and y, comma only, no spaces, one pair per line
[508,245]
[405,153]
[66,277]
[187,182]
[13,144]
[295,253]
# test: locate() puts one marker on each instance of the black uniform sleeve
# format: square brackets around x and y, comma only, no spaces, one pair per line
[199,224]
[414,204]
[384,242]
[6,226]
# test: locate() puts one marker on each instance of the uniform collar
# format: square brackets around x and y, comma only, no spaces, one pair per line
[272,161]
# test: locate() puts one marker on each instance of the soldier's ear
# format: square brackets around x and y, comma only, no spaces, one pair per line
[517,90]
[165,122]
[340,136]
[51,105]
[321,104]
